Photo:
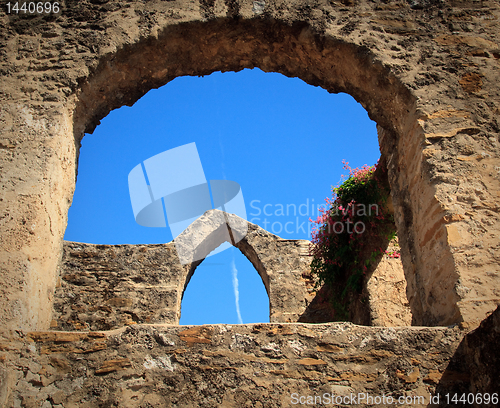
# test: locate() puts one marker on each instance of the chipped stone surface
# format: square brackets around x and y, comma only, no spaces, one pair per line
[386,290]
[480,349]
[426,72]
[200,366]
[105,287]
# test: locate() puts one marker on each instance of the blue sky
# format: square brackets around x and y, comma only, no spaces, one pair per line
[282,140]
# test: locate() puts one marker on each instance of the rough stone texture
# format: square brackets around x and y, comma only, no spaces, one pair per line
[386,289]
[382,301]
[480,349]
[427,72]
[258,365]
[104,287]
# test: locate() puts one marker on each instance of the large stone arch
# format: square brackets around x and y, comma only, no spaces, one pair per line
[438,129]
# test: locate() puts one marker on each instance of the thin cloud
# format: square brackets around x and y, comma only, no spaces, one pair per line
[236,290]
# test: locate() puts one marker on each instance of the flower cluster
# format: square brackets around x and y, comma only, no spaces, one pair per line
[393,254]
[347,235]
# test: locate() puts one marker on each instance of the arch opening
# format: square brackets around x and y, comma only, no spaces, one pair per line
[247,126]
[295,51]
[237,294]
[328,116]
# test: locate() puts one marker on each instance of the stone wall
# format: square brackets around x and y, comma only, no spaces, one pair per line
[386,290]
[261,365]
[480,351]
[257,365]
[104,287]
[425,71]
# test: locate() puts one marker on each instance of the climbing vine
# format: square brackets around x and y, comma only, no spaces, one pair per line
[351,232]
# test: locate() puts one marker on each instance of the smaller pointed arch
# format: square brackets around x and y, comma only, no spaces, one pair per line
[209,232]
[279,262]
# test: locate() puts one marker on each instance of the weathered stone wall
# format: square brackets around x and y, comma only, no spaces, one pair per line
[104,287]
[259,365]
[480,351]
[382,301]
[427,72]
[386,291]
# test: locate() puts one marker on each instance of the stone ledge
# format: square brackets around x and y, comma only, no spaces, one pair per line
[264,362]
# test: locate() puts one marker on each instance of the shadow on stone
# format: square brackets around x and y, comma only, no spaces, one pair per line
[382,300]
[474,370]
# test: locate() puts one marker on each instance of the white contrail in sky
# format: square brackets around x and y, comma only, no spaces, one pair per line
[236,291]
